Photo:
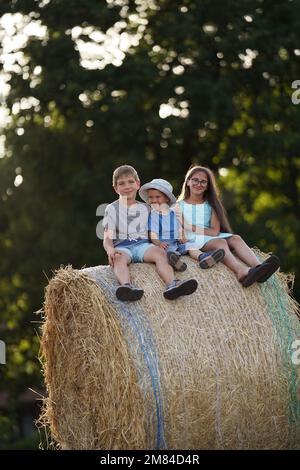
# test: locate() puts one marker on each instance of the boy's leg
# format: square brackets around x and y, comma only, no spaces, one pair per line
[125,291]
[120,267]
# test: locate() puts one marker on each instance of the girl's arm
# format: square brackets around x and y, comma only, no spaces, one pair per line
[213,231]
[178,221]
[183,226]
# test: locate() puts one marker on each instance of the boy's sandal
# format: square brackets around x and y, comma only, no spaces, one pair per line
[128,292]
[175,261]
[186,287]
[273,263]
[254,274]
[212,259]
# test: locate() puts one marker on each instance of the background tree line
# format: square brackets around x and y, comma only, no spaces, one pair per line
[156,84]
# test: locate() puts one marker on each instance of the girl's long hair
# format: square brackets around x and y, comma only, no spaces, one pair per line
[211,194]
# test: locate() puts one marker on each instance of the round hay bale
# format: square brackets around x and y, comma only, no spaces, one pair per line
[213,370]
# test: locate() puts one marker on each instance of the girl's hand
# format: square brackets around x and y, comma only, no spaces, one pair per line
[198,229]
[163,245]
[183,240]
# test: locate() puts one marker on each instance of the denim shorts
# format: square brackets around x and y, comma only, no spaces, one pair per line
[136,250]
[174,245]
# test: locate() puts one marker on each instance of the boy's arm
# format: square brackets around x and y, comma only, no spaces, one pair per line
[108,246]
[153,236]
[109,225]
[156,241]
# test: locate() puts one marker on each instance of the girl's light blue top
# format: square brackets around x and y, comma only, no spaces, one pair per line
[199,215]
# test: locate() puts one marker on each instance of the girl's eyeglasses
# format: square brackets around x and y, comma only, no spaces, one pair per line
[196,181]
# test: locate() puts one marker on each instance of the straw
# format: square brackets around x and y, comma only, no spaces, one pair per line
[212,370]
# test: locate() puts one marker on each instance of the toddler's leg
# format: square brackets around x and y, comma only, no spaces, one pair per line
[174,288]
[174,260]
[158,256]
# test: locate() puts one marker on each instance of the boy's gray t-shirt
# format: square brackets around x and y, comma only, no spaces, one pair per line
[127,223]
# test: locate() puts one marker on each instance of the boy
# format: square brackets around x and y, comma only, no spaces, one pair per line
[126,240]
[164,229]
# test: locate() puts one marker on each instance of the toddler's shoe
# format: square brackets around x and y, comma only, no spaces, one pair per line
[178,288]
[175,261]
[129,292]
[209,259]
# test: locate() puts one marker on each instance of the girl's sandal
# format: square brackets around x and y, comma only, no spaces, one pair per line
[254,274]
[274,263]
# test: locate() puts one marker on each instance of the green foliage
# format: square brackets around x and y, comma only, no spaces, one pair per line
[6,429]
[28,443]
[223,69]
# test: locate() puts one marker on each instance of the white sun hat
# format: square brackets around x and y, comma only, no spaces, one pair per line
[161,185]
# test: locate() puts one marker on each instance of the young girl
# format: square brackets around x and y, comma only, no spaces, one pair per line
[203,217]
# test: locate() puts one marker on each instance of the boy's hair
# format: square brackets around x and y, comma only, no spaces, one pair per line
[124,170]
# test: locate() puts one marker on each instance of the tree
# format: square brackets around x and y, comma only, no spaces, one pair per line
[188,81]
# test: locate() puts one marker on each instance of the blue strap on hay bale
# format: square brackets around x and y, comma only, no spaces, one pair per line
[137,330]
